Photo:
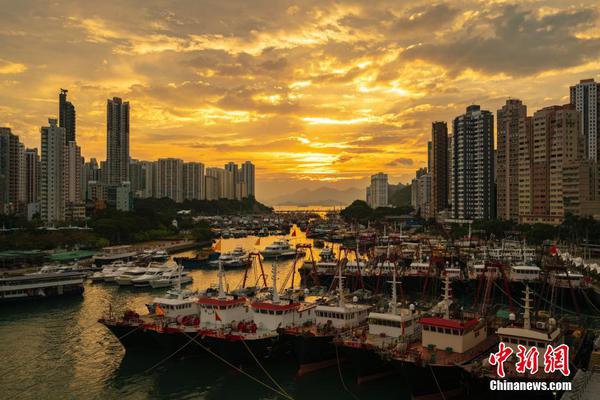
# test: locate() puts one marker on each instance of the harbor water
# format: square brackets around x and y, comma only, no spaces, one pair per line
[56,349]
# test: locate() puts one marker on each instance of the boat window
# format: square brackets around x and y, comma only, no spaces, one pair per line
[448,331]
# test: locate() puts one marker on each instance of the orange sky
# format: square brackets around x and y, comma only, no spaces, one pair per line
[313,92]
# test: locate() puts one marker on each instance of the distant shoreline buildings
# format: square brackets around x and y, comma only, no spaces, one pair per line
[544,167]
[59,186]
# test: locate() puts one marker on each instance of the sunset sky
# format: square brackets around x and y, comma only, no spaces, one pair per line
[313,92]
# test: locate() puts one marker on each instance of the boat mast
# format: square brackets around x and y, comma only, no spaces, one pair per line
[340,285]
[275,292]
[526,307]
[179,294]
[221,290]
[447,297]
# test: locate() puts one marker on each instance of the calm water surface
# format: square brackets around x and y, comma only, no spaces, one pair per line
[57,350]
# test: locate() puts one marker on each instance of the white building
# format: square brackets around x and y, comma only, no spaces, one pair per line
[378,191]
[585,96]
[473,165]
[193,181]
[170,179]
[52,174]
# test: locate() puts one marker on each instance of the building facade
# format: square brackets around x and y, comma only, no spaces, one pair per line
[193,181]
[378,191]
[170,179]
[439,167]
[509,119]
[585,97]
[117,143]
[52,173]
[66,117]
[473,165]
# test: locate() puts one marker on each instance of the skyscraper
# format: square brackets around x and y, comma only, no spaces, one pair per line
[52,182]
[585,96]
[248,175]
[378,190]
[117,144]
[213,182]
[32,175]
[66,116]
[509,119]
[234,180]
[12,167]
[73,171]
[170,179]
[193,181]
[439,167]
[473,164]
[553,169]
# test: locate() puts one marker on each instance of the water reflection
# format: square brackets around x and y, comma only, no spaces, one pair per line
[56,349]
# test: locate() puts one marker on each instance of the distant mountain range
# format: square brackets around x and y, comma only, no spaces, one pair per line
[323,196]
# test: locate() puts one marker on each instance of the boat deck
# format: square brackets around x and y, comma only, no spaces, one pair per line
[416,353]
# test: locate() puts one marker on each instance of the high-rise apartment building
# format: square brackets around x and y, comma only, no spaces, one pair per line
[12,172]
[555,176]
[509,119]
[473,165]
[439,167]
[249,179]
[213,183]
[73,170]
[585,96]
[52,173]
[117,143]
[32,175]
[66,117]
[193,181]
[233,169]
[170,179]
[378,190]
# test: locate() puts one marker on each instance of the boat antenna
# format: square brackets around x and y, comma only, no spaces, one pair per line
[526,307]
[275,292]
[221,290]
[179,294]
[394,292]
[447,296]
[341,285]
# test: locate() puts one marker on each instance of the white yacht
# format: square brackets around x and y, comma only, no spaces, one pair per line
[126,278]
[173,277]
[237,258]
[279,249]
[153,272]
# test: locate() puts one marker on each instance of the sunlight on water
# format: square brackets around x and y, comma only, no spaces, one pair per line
[56,349]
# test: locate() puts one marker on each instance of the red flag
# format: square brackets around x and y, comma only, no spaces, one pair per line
[217,318]
[294,233]
[553,250]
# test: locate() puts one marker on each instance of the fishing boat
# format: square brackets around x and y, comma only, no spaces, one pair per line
[313,344]
[200,260]
[394,328]
[450,338]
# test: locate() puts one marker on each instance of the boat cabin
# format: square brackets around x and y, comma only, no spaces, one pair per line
[173,308]
[567,280]
[393,325]
[342,317]
[540,336]
[220,311]
[524,273]
[452,273]
[451,334]
[271,316]
[419,268]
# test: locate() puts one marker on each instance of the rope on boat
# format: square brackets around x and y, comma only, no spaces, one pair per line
[339,368]
[239,369]
[172,354]
[436,382]
[265,370]
[58,370]
[564,310]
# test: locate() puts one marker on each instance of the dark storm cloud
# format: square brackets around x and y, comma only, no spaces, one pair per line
[521,43]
